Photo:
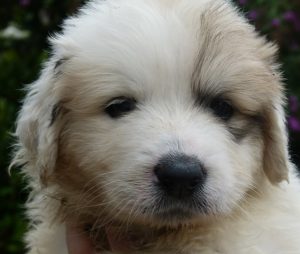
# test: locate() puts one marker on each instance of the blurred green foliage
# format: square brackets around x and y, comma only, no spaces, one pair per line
[24,27]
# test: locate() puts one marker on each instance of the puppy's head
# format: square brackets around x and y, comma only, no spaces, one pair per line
[161,112]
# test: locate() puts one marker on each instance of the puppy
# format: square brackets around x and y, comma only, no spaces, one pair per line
[159,123]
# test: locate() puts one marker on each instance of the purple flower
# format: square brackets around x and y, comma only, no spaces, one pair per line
[24,2]
[289,16]
[243,2]
[275,22]
[292,17]
[294,103]
[294,124]
[253,15]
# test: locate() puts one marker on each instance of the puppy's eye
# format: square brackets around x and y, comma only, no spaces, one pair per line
[119,106]
[222,109]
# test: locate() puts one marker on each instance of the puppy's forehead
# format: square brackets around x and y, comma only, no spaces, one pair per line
[162,46]
[143,42]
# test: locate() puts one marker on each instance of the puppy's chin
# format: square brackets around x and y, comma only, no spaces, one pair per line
[171,214]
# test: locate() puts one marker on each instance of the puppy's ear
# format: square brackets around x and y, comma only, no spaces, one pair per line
[38,127]
[275,144]
[276,158]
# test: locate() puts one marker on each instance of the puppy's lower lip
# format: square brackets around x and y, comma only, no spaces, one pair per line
[176,214]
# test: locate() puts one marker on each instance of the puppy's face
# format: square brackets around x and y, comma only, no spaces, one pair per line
[165,110]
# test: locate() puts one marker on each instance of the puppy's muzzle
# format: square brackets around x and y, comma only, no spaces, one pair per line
[180,175]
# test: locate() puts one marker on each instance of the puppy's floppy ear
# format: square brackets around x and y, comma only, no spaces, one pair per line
[275,144]
[38,126]
[276,157]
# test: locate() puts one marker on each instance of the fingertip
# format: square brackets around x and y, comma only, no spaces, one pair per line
[78,242]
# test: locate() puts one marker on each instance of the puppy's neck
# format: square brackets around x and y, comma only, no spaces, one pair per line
[120,237]
[117,237]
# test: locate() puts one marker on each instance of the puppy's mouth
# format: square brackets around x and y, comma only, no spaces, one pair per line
[167,217]
[174,212]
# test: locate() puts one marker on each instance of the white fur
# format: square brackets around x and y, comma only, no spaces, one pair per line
[103,167]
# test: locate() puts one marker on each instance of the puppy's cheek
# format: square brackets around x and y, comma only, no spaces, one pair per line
[128,189]
[247,162]
[234,175]
[219,188]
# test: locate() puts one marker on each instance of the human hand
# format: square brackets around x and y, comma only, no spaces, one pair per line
[78,242]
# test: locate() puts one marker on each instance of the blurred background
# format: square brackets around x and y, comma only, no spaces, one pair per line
[24,28]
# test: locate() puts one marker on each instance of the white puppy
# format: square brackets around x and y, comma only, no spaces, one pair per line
[160,121]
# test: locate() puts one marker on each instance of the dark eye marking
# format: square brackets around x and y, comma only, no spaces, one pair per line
[240,122]
[245,125]
[120,106]
[58,64]
[222,108]
[56,109]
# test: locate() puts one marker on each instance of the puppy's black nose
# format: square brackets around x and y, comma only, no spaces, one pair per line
[179,175]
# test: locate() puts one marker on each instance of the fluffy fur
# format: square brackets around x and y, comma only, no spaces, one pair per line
[173,58]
